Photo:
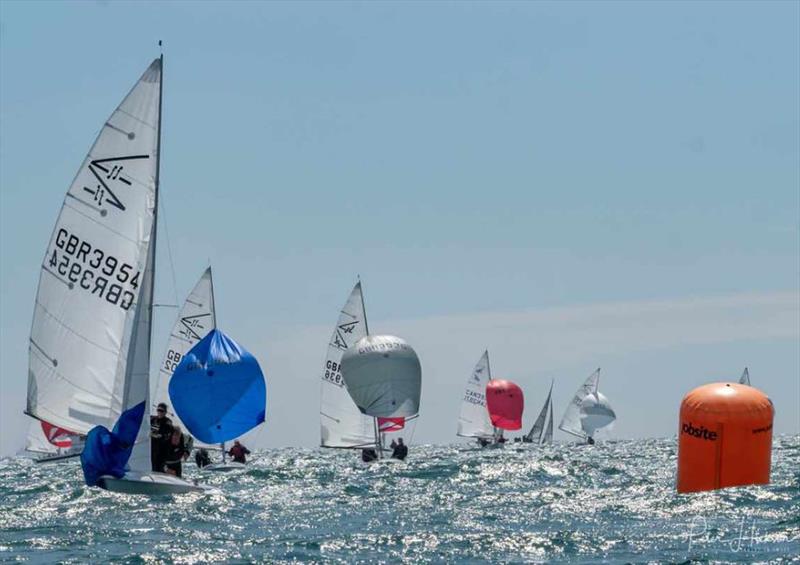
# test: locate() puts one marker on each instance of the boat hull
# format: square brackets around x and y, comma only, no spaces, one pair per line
[223,467]
[148,484]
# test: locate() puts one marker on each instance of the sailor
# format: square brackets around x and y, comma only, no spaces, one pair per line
[238,452]
[160,432]
[176,453]
[400,451]
[483,442]
[368,455]
[393,444]
[202,458]
[590,440]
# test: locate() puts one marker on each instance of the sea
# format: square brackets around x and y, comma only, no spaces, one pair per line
[614,502]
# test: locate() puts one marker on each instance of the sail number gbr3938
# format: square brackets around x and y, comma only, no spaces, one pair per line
[78,262]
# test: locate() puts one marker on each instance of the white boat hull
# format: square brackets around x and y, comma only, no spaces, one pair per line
[148,484]
[224,467]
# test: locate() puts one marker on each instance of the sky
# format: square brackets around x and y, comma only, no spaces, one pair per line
[570,185]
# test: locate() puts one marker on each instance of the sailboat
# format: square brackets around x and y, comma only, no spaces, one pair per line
[473,420]
[196,319]
[383,377]
[745,378]
[52,443]
[539,433]
[588,411]
[219,391]
[89,354]
[505,403]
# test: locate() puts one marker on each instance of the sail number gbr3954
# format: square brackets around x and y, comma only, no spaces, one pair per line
[78,263]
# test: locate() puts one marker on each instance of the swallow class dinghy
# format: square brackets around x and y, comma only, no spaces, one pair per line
[539,433]
[91,332]
[588,412]
[474,420]
[383,376]
[196,319]
[219,392]
[505,402]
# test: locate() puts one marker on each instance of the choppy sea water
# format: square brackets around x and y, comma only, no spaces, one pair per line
[612,502]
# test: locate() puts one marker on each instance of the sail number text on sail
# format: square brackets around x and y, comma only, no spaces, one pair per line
[475,398]
[92,269]
[332,373]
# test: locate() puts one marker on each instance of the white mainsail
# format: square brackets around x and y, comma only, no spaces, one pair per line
[196,318]
[473,420]
[745,378]
[341,423]
[383,375]
[536,432]
[588,411]
[91,324]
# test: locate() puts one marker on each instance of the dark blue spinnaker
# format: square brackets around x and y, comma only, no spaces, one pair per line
[218,390]
[107,452]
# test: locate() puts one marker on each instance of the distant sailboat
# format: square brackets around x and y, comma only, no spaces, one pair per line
[219,391]
[745,378]
[383,376]
[588,411]
[539,433]
[506,403]
[473,420]
[52,443]
[91,332]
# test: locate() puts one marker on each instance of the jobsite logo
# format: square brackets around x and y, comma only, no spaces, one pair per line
[700,432]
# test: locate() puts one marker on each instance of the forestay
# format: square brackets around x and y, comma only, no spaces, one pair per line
[91,301]
[196,319]
[383,376]
[473,420]
[341,423]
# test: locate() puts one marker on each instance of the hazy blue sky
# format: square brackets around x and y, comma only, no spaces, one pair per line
[571,185]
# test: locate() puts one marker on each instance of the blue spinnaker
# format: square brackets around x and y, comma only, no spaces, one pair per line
[107,452]
[218,389]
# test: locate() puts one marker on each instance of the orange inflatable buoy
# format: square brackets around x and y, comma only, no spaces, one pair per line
[724,437]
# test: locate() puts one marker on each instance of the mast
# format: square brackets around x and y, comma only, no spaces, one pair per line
[495,435]
[155,208]
[213,302]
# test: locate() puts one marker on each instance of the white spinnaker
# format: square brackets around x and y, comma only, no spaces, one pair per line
[745,378]
[341,423]
[383,375]
[596,413]
[571,421]
[196,318]
[535,435]
[94,272]
[473,420]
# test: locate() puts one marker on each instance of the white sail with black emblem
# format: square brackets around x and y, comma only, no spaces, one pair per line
[87,309]
[473,420]
[341,423]
[196,318]
[383,376]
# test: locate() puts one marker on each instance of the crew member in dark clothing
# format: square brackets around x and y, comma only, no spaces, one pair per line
[176,453]
[590,440]
[368,455]
[238,452]
[202,458]
[400,451]
[483,442]
[160,433]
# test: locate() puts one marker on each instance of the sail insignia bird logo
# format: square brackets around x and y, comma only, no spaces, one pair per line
[107,173]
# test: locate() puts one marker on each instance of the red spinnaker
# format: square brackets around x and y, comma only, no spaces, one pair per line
[57,436]
[505,403]
[388,425]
